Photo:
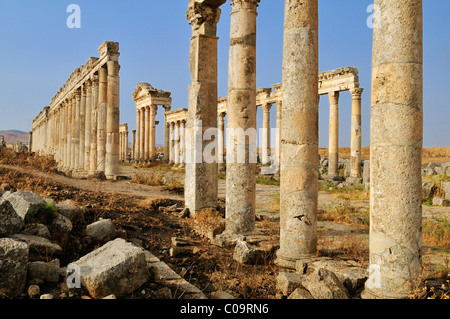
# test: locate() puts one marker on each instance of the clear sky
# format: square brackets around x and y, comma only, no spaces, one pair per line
[38,52]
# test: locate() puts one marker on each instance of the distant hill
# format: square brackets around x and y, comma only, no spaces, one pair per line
[11,136]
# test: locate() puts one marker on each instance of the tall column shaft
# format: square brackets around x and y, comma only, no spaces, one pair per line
[241,118]
[138,132]
[172,142]
[94,127]
[278,140]
[177,143]
[112,120]
[87,128]
[101,128]
[82,129]
[182,144]
[221,141]
[152,140]
[142,134]
[133,145]
[147,133]
[266,135]
[73,127]
[166,136]
[201,183]
[396,149]
[333,143]
[355,137]
[300,131]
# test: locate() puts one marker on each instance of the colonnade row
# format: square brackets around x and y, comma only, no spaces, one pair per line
[80,128]
[123,142]
[396,132]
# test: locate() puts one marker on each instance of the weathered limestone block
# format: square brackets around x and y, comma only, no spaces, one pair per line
[185,290]
[287,282]
[115,268]
[40,249]
[45,271]
[25,203]
[13,267]
[102,230]
[438,201]
[427,189]
[60,228]
[39,230]
[246,253]
[446,187]
[324,284]
[300,293]
[10,222]
[74,213]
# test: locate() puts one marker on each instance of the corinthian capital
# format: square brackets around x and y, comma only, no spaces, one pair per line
[237,5]
[204,13]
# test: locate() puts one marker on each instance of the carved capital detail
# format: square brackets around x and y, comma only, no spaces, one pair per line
[201,11]
[356,93]
[237,5]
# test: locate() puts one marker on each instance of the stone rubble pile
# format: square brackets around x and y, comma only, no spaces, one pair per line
[34,233]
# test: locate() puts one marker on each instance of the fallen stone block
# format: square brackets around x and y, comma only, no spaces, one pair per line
[118,268]
[324,284]
[10,222]
[246,253]
[300,293]
[74,213]
[45,271]
[446,186]
[102,230]
[26,204]
[438,201]
[184,290]
[40,249]
[34,229]
[161,272]
[13,267]
[287,282]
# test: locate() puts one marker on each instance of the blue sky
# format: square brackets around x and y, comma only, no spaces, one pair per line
[38,52]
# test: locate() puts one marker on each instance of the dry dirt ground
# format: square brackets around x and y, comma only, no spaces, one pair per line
[134,208]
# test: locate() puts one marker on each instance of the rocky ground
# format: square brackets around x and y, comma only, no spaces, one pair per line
[168,255]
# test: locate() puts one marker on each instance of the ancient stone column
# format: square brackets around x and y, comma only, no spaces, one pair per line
[126,145]
[152,141]
[101,124]
[333,143]
[278,141]
[220,142]
[30,141]
[61,136]
[201,176]
[396,149]
[133,145]
[142,134]
[94,127]
[147,133]
[87,127]
[355,138]
[172,142]
[182,144]
[74,149]
[112,113]
[266,134]
[138,132]
[82,129]
[176,159]
[300,131]
[67,108]
[166,135]
[241,119]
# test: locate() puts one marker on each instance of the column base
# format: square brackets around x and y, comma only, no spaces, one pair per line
[354,180]
[333,177]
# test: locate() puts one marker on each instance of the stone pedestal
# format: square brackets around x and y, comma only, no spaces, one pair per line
[396,150]
[299,146]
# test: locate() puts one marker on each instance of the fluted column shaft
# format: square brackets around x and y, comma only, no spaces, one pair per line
[166,136]
[152,139]
[266,134]
[333,147]
[112,119]
[355,138]
[101,125]
[94,126]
